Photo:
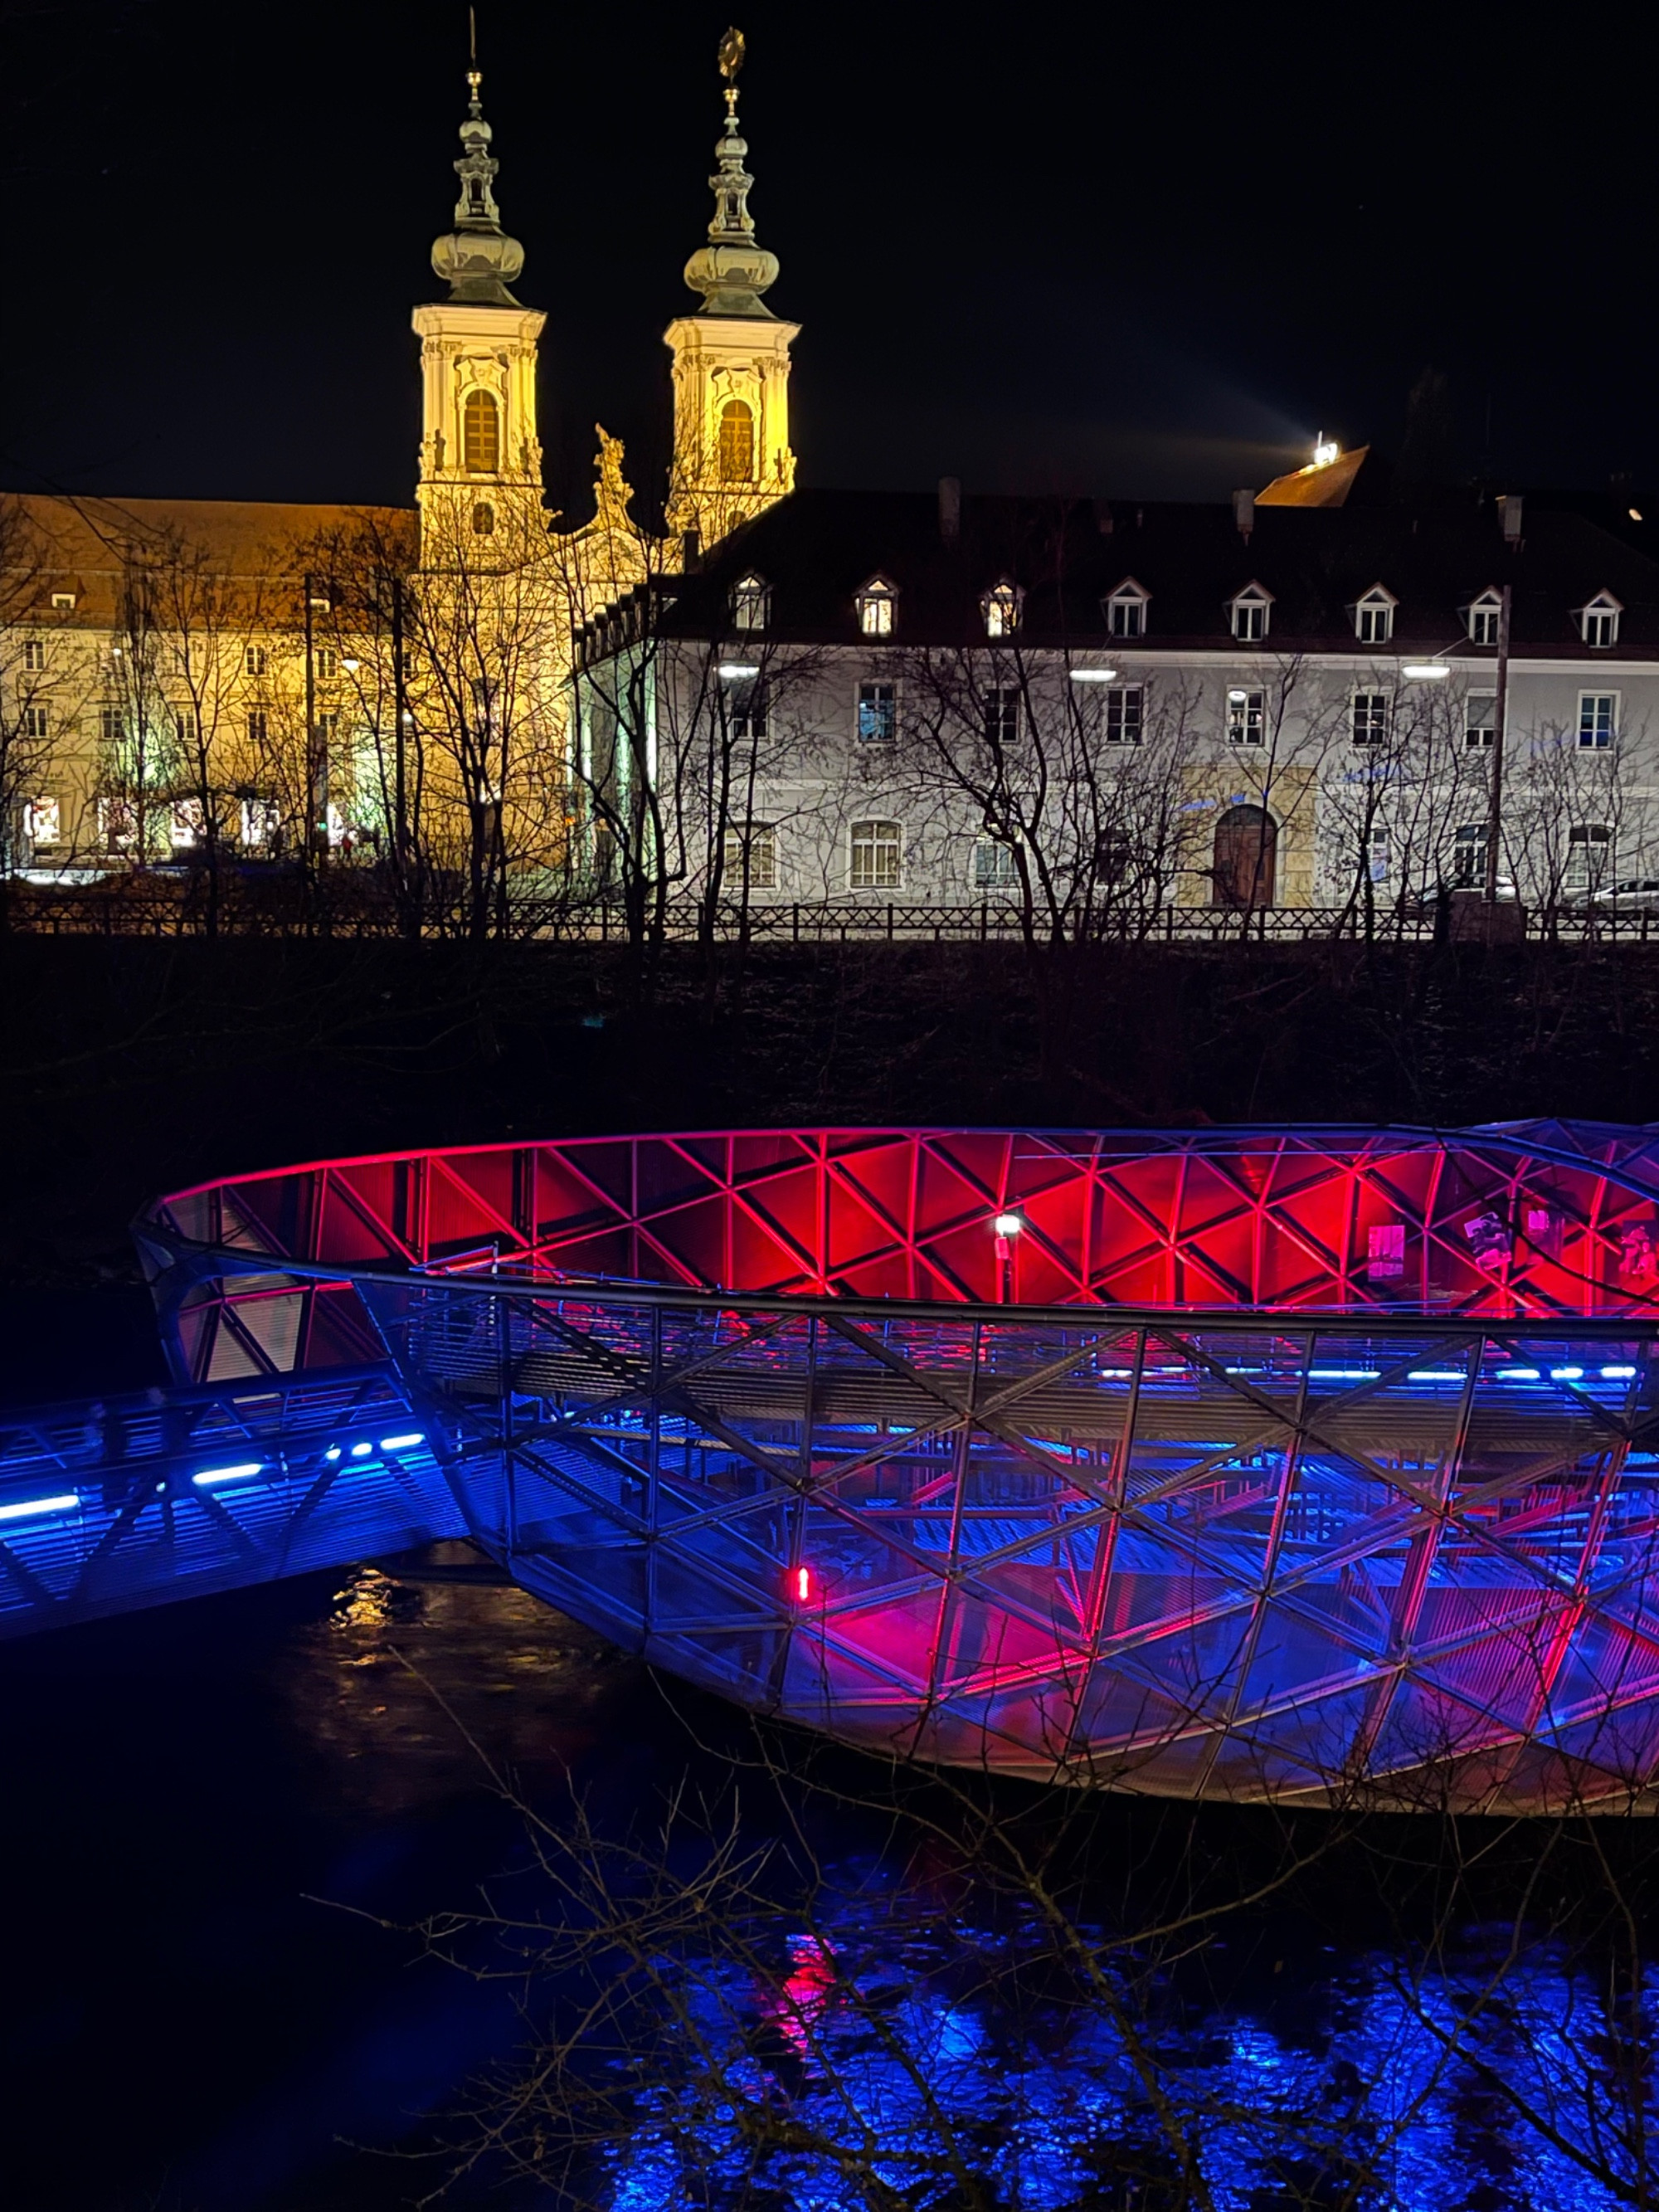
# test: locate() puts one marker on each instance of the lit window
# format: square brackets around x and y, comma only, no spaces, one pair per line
[1480,721]
[1126,610]
[1000,607]
[63,601]
[876,848]
[184,824]
[877,717]
[261,818]
[253,660]
[1483,615]
[1123,706]
[483,519]
[1590,852]
[1598,720]
[737,443]
[117,825]
[43,822]
[878,606]
[745,708]
[34,654]
[1370,718]
[1374,854]
[752,603]
[753,854]
[36,723]
[993,866]
[1001,716]
[258,727]
[1246,713]
[1598,623]
[481,434]
[328,664]
[1373,618]
[1469,854]
[1247,614]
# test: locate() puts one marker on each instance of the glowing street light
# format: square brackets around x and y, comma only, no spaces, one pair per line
[1426,671]
[736,671]
[1094,675]
[1326,450]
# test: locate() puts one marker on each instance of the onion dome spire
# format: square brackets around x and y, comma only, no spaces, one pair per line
[477,258]
[731,270]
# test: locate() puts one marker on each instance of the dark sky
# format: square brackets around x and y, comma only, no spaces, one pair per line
[1129,250]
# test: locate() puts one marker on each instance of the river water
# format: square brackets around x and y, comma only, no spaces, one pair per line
[225,1816]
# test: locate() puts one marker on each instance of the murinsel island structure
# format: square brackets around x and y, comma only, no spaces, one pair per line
[1310,1465]
[1096,713]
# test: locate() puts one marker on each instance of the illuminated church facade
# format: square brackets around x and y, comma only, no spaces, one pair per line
[1085,708]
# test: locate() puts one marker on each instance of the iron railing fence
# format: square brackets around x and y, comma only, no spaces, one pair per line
[353,902]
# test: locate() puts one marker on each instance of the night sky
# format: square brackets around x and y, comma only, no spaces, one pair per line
[1130,251]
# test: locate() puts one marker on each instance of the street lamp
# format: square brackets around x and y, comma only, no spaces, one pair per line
[1007,1227]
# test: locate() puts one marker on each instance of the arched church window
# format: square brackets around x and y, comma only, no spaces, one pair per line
[483,519]
[481,433]
[737,443]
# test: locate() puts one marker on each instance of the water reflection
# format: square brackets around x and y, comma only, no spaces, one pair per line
[408,1688]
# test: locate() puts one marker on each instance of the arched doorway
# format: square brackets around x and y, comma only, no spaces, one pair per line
[1246,853]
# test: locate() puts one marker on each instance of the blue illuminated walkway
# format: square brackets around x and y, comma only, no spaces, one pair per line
[109,1504]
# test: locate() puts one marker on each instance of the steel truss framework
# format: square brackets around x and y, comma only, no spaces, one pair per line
[143,1499]
[1278,1463]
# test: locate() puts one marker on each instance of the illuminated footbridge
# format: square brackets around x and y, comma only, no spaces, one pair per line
[1288,1463]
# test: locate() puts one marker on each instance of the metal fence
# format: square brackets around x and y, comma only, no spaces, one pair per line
[355,904]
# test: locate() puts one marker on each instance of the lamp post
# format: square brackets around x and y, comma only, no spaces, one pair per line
[1495,793]
[1008,1229]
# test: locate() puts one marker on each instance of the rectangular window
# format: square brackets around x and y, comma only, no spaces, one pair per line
[35,722]
[111,727]
[328,731]
[188,722]
[43,822]
[258,727]
[63,601]
[1370,718]
[1480,721]
[261,818]
[1598,720]
[1127,618]
[1374,854]
[745,705]
[34,654]
[1123,714]
[1483,625]
[253,660]
[1250,620]
[1385,1252]
[993,866]
[878,721]
[1001,716]
[1601,626]
[328,664]
[184,824]
[875,606]
[117,825]
[1375,624]
[1246,713]
[750,604]
[1590,856]
[877,851]
[1470,855]
[760,846]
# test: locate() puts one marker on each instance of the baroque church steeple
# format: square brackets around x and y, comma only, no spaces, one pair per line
[732,456]
[480,489]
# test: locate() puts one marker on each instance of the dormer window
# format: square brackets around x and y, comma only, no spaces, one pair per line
[1598,623]
[1247,613]
[1126,610]
[751,603]
[63,601]
[1373,616]
[1001,606]
[877,603]
[1482,615]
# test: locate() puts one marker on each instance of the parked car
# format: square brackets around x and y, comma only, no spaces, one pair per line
[1630,894]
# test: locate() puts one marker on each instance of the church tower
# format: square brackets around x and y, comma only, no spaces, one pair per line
[732,456]
[481,460]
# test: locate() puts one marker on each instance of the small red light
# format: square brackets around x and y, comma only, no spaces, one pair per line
[803,1584]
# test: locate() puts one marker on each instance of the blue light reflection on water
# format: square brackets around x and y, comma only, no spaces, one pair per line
[1387,2096]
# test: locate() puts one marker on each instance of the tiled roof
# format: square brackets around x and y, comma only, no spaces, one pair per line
[816,549]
